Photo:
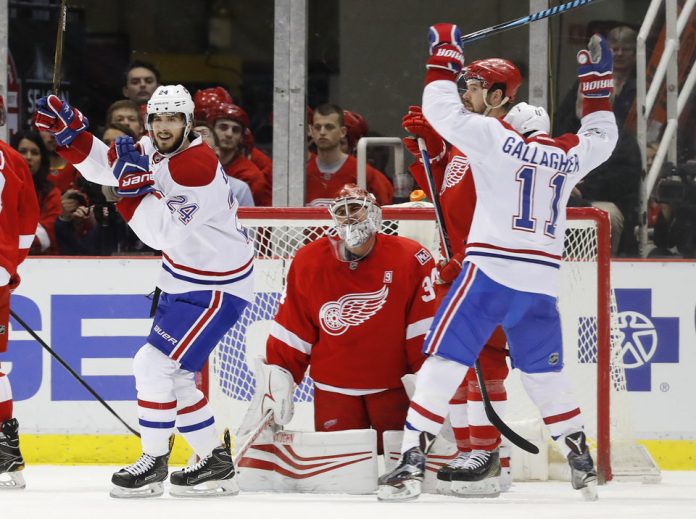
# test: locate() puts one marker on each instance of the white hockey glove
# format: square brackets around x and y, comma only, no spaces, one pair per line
[274,390]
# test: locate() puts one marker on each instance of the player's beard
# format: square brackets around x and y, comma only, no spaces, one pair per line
[171,145]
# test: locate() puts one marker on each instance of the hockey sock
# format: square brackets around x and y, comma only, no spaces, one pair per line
[484,436]
[156,416]
[552,394]
[437,381]
[197,425]
[5,398]
[459,418]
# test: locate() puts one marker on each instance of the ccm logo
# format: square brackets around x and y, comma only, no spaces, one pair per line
[132,180]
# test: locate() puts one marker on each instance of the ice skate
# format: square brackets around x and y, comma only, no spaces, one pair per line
[144,477]
[444,474]
[214,475]
[583,475]
[404,482]
[11,461]
[479,475]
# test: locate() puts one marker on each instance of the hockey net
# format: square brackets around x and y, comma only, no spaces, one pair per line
[592,346]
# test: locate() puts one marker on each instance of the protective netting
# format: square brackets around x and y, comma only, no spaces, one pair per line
[278,237]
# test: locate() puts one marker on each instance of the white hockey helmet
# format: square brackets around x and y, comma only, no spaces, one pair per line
[529,120]
[171,99]
[356,215]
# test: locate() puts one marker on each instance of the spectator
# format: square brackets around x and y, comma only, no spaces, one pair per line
[141,80]
[241,190]
[114,130]
[62,174]
[75,226]
[228,122]
[331,168]
[622,41]
[615,188]
[208,98]
[260,160]
[356,128]
[125,112]
[31,146]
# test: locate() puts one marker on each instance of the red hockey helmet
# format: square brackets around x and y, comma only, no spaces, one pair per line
[207,98]
[227,111]
[356,127]
[495,70]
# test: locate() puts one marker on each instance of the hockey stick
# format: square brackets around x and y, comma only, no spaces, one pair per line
[58,56]
[266,420]
[71,371]
[493,417]
[519,22]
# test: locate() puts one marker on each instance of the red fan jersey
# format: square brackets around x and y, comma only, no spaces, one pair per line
[358,325]
[19,211]
[243,169]
[321,189]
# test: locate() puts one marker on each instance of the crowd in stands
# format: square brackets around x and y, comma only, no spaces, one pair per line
[77,218]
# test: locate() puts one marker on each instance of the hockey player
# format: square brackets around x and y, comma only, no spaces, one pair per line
[477,439]
[176,197]
[511,271]
[355,311]
[19,216]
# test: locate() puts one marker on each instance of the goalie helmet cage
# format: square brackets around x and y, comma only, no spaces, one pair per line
[592,343]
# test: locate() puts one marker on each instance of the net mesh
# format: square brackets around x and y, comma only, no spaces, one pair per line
[277,239]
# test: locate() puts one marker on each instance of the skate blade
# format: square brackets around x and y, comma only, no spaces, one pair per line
[405,491]
[219,488]
[486,488]
[12,481]
[589,492]
[443,487]
[151,490]
[505,481]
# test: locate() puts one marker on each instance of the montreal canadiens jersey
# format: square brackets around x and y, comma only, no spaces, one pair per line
[357,327]
[19,211]
[522,187]
[191,217]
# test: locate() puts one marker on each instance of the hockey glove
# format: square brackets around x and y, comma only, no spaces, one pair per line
[415,123]
[449,270]
[446,55]
[59,118]
[595,69]
[131,168]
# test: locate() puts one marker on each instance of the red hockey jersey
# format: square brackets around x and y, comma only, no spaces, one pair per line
[358,325]
[19,211]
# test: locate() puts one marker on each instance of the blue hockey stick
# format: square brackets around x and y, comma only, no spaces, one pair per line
[546,13]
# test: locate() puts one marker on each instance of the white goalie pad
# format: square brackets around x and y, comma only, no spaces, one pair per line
[343,462]
[441,453]
[274,391]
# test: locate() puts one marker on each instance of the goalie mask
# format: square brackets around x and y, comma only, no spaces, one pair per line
[356,215]
[168,100]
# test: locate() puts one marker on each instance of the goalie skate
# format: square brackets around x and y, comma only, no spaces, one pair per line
[479,475]
[214,475]
[583,475]
[144,477]
[11,461]
[405,481]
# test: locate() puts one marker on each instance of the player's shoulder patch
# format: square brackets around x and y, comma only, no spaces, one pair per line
[423,256]
[194,167]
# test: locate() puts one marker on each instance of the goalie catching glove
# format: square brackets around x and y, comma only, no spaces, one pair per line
[59,118]
[274,390]
[131,168]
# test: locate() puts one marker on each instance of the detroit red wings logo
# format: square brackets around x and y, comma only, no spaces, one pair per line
[351,310]
[455,171]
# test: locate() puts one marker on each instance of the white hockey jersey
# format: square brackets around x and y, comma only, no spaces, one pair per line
[191,218]
[522,186]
